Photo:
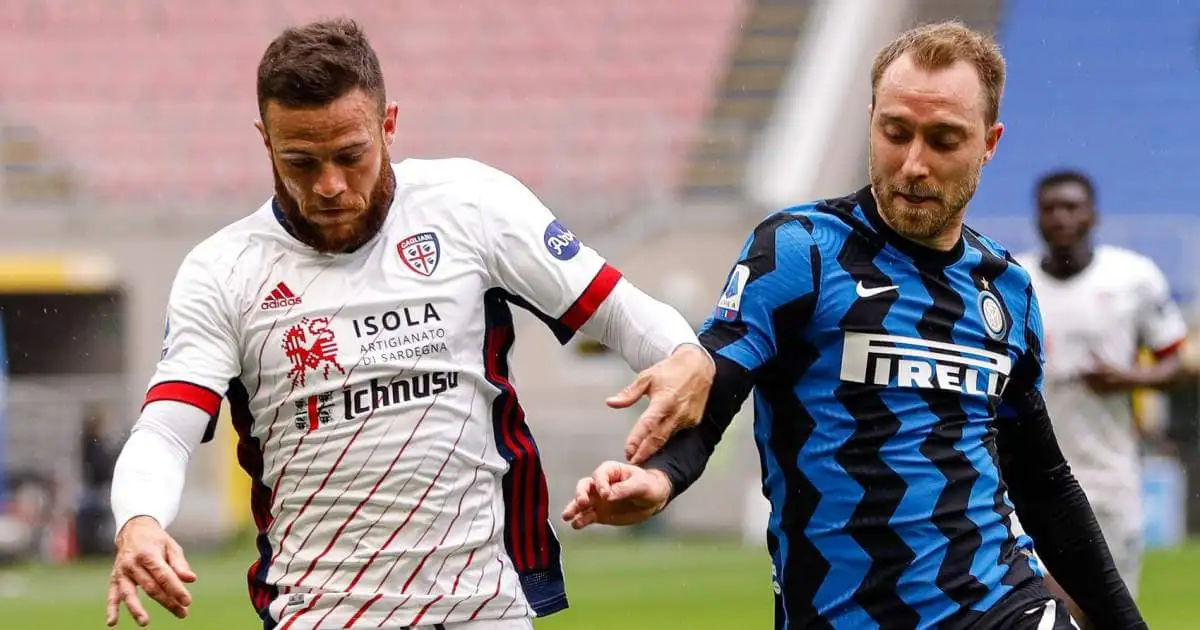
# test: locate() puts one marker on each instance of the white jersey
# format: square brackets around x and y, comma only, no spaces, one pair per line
[1118,304]
[395,482]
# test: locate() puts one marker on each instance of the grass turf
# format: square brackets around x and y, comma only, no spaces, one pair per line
[629,585]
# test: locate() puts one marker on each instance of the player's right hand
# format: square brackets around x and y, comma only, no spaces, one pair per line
[147,557]
[618,494]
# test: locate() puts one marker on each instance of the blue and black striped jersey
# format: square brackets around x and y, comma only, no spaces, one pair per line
[881,372]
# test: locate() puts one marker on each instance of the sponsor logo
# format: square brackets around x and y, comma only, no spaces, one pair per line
[421,252]
[311,347]
[281,297]
[560,242]
[400,335]
[390,321]
[314,412]
[380,395]
[356,403]
[896,361]
[731,298]
[864,292]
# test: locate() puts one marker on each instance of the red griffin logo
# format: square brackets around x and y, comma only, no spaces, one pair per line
[310,346]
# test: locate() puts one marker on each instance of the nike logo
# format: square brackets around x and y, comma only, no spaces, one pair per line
[864,292]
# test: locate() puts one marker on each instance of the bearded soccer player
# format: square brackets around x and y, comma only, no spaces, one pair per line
[896,358]
[1101,304]
[359,324]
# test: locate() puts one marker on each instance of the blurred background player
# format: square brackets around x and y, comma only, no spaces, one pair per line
[1101,304]
[895,357]
[360,325]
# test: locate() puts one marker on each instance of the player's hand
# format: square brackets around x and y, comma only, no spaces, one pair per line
[1106,379]
[678,390]
[618,494]
[147,557]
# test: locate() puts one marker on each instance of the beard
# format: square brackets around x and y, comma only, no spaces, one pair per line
[921,223]
[347,235]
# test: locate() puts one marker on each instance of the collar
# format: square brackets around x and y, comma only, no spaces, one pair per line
[913,249]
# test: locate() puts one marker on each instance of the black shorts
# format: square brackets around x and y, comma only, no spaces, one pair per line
[1029,607]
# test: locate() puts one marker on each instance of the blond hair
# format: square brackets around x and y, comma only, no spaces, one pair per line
[941,45]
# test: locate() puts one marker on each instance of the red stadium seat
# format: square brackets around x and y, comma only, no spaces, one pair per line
[151,101]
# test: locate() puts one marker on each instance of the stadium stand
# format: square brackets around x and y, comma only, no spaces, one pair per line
[146,101]
[1074,99]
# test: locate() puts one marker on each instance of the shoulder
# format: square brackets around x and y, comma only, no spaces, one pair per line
[992,247]
[448,185]
[440,171]
[451,176]
[1015,267]
[1126,262]
[235,243]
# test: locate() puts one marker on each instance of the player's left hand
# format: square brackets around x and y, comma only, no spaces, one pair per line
[618,494]
[678,390]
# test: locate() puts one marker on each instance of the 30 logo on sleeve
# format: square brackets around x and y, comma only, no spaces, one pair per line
[560,242]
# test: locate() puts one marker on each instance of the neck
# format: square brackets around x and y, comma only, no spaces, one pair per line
[943,242]
[1064,262]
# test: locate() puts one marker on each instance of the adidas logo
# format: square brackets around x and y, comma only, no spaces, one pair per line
[281,297]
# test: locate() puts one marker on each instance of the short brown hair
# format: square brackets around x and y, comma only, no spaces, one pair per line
[318,63]
[938,46]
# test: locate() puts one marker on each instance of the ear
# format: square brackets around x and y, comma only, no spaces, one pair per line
[389,123]
[990,140]
[262,131]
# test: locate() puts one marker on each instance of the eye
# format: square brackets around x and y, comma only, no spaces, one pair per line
[944,142]
[350,159]
[896,133]
[300,163]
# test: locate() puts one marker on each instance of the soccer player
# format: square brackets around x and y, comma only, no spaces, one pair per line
[896,360]
[359,325]
[1101,304]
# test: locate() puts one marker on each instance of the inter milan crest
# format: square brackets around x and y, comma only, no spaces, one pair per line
[420,252]
[992,313]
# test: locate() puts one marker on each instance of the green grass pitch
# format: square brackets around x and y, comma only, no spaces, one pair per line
[628,585]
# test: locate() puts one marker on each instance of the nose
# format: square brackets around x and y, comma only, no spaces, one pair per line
[915,166]
[330,183]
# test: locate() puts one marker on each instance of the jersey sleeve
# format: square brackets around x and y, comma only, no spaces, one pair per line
[538,261]
[200,349]
[1161,326]
[776,274]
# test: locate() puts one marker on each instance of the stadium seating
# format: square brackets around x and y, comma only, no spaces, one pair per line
[1077,100]
[151,101]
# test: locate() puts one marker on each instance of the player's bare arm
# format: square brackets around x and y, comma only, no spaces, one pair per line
[1162,373]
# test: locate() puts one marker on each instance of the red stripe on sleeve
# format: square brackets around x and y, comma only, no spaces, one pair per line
[199,397]
[593,296]
[1169,350]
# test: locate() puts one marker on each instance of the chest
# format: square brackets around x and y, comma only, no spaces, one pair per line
[899,327]
[410,305]
[1094,317]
